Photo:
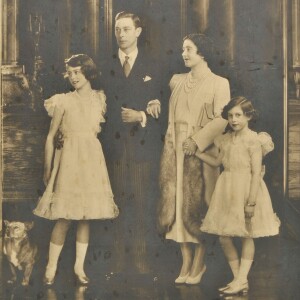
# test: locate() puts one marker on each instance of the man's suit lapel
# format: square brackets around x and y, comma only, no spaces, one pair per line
[136,71]
[136,66]
[117,67]
[139,67]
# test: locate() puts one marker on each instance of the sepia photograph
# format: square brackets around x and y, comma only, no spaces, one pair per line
[150,149]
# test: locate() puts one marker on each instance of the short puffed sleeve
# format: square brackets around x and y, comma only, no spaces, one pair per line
[260,142]
[266,142]
[55,102]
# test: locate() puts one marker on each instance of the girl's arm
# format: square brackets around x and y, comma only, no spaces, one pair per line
[211,160]
[256,163]
[49,147]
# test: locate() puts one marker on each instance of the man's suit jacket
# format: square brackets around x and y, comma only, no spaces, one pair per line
[130,140]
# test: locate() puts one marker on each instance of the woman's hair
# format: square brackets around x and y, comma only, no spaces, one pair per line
[88,67]
[202,42]
[246,106]
[125,14]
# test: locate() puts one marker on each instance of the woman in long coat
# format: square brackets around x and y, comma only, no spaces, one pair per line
[187,183]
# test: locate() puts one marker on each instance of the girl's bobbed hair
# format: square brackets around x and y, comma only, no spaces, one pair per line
[246,106]
[88,67]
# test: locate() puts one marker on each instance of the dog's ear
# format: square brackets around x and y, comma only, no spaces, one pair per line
[6,223]
[29,225]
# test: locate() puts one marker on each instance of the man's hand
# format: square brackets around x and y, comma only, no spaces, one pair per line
[153,109]
[189,147]
[131,115]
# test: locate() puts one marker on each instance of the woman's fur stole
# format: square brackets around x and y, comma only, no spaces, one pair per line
[194,206]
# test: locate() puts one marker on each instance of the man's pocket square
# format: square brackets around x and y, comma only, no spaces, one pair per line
[147,78]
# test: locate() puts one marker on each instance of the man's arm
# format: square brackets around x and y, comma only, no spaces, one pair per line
[130,115]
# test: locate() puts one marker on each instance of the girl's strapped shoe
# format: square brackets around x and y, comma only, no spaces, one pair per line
[236,288]
[223,288]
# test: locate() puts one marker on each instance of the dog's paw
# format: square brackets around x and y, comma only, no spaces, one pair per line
[12,280]
[25,282]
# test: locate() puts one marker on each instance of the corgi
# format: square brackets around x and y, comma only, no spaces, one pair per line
[19,250]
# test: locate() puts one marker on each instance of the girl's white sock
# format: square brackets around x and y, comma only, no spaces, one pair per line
[54,252]
[244,269]
[81,249]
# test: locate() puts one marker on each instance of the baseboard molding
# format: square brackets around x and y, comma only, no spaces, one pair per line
[292,220]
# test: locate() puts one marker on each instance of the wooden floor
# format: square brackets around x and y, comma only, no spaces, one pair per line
[275,275]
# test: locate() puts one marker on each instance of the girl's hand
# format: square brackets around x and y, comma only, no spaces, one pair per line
[46,177]
[189,147]
[249,211]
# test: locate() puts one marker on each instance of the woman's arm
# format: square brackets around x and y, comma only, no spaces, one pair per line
[206,135]
[49,147]
[211,160]
[256,162]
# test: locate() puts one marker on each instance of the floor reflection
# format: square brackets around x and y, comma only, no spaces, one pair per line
[235,297]
[190,292]
[79,293]
[274,276]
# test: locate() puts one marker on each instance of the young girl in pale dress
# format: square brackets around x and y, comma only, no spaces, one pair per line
[241,204]
[75,173]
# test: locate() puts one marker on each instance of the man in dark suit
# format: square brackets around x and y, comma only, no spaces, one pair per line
[132,141]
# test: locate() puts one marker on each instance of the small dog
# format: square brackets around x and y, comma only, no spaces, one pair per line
[19,250]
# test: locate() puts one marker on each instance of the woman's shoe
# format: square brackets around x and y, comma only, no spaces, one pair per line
[82,280]
[197,278]
[237,287]
[182,279]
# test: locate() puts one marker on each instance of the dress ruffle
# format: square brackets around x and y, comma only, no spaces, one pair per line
[52,206]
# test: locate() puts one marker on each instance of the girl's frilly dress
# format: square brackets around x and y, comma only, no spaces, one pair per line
[79,186]
[226,215]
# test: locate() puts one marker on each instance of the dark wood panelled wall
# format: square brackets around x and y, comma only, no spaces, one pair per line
[247,37]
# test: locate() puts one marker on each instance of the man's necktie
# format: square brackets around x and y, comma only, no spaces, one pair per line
[126,66]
